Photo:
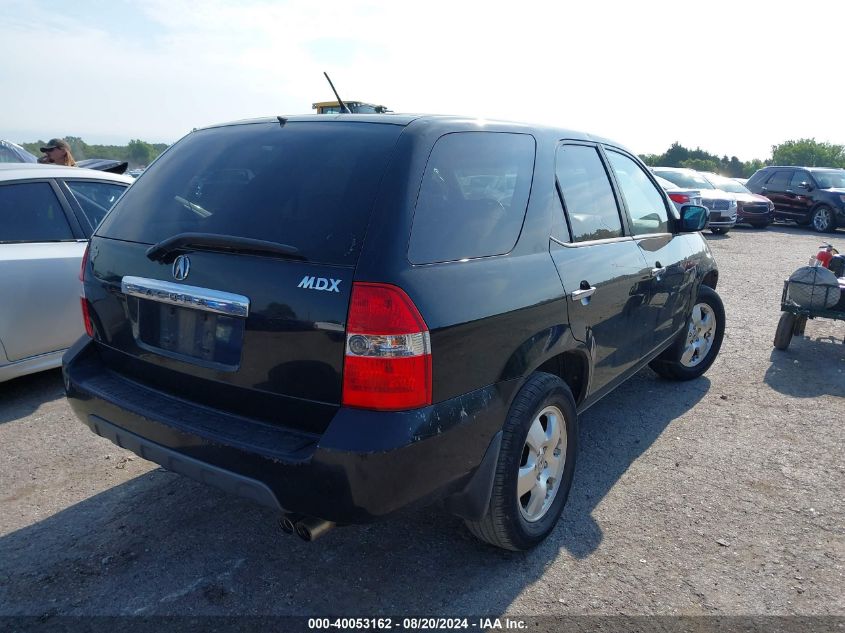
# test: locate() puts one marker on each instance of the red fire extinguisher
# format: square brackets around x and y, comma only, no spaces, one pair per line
[825,254]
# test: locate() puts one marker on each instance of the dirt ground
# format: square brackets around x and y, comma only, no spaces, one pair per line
[721,496]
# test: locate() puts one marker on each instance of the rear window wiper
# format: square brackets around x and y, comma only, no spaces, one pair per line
[183,242]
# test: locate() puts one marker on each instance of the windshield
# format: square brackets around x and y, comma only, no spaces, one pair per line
[830,179]
[310,185]
[685,179]
[726,184]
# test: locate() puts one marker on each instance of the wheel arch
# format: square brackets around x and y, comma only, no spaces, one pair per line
[556,351]
[710,279]
[573,367]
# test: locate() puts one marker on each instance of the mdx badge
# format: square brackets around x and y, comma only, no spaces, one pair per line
[320,283]
[181,267]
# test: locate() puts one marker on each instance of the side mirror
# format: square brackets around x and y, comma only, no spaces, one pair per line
[805,185]
[694,218]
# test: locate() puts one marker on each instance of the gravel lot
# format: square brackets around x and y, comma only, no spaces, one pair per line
[719,496]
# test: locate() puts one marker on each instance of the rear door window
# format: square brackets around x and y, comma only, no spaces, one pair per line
[779,180]
[473,196]
[95,199]
[587,194]
[31,212]
[310,185]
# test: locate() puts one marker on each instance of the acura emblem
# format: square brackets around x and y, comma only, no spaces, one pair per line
[181,267]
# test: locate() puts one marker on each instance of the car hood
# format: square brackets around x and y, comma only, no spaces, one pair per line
[717,194]
[836,190]
[750,197]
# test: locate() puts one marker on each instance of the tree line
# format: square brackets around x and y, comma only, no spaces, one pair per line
[137,153]
[806,152]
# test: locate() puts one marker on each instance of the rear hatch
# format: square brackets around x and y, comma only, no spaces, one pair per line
[223,276]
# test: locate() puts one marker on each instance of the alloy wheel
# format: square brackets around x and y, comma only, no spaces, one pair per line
[542,464]
[822,219]
[702,329]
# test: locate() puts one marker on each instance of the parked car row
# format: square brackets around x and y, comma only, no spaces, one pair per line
[722,205]
[807,195]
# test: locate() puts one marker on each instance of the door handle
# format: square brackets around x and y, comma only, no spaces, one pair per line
[583,293]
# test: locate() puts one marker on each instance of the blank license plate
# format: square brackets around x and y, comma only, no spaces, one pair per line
[193,334]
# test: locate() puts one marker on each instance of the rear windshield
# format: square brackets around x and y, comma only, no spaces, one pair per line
[309,185]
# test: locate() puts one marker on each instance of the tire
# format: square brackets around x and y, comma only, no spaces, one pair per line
[800,326]
[697,348]
[717,230]
[784,331]
[544,404]
[823,220]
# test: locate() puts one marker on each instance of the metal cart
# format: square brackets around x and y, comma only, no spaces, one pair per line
[794,318]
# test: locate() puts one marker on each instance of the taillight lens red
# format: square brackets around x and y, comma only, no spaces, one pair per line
[86,317]
[387,365]
[86,312]
[680,198]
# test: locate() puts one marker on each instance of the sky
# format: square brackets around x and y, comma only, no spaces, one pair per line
[732,77]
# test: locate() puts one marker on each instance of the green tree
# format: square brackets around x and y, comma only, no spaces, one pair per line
[809,153]
[78,147]
[139,152]
[701,164]
[751,166]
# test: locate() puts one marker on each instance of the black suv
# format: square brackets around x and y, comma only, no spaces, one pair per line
[808,195]
[342,316]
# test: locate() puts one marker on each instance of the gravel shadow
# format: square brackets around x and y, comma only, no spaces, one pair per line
[809,367]
[21,396]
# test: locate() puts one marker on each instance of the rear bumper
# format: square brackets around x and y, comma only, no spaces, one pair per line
[366,465]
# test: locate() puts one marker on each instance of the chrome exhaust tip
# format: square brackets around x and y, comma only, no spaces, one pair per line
[288,522]
[312,528]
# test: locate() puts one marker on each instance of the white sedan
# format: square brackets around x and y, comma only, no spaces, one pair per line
[47,214]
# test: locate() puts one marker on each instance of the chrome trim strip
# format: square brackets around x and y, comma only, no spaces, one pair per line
[204,299]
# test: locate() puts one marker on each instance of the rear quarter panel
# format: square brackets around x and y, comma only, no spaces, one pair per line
[484,314]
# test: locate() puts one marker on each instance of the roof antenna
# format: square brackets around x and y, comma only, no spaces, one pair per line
[339,100]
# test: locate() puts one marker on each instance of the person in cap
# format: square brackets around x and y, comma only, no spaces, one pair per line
[57,152]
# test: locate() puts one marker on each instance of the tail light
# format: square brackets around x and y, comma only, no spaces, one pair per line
[387,365]
[86,310]
[680,198]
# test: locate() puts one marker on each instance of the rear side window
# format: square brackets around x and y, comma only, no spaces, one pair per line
[779,180]
[30,212]
[473,196]
[95,198]
[587,194]
[310,185]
